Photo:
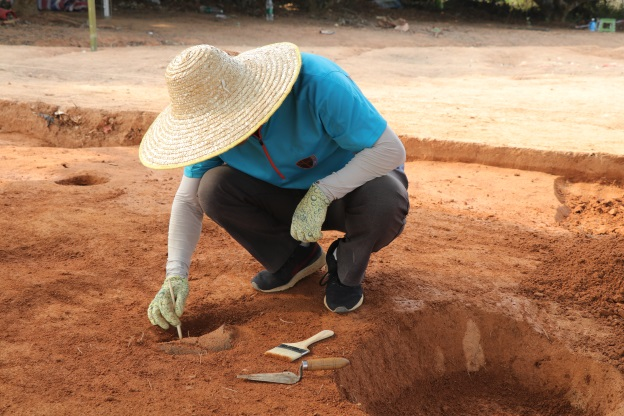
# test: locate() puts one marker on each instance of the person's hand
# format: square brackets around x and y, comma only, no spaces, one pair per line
[309,216]
[162,311]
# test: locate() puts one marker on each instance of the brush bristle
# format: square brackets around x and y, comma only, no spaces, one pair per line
[286,352]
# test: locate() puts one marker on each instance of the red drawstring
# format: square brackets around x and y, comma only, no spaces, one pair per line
[258,135]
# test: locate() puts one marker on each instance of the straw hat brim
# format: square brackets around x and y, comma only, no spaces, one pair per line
[180,138]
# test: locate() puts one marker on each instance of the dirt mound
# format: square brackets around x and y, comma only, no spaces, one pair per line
[73,127]
[585,272]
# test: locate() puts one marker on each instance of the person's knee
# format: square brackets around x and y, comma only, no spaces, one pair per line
[389,200]
[210,191]
[387,212]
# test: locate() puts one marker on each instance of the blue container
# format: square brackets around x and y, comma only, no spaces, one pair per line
[592,25]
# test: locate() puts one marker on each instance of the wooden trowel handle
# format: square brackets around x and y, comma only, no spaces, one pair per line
[325,363]
[326,333]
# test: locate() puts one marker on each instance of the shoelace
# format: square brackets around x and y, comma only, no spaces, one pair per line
[323,280]
[327,278]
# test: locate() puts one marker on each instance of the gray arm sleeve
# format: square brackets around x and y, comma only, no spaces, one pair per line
[386,154]
[185,226]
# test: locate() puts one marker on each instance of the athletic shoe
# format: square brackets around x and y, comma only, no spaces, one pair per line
[303,262]
[339,298]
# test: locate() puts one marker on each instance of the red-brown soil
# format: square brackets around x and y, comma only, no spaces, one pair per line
[504,295]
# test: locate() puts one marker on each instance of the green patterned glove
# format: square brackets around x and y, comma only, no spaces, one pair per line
[309,216]
[161,311]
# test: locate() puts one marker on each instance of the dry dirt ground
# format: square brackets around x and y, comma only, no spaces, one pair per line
[504,295]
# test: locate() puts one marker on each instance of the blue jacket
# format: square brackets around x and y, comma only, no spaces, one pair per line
[319,127]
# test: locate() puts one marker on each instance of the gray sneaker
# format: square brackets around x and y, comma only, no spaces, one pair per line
[303,262]
[339,298]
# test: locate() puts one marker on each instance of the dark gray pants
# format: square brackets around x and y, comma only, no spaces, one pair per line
[258,216]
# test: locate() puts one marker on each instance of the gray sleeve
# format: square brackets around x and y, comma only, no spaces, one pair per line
[185,226]
[386,154]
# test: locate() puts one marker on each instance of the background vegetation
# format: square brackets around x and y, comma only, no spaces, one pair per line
[532,11]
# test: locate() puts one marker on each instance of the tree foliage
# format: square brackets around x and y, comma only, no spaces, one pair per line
[547,10]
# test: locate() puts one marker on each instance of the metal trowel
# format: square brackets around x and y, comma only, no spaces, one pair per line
[287,377]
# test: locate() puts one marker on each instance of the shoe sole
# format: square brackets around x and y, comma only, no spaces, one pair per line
[303,273]
[342,309]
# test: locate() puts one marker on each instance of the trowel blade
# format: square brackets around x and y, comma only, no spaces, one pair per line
[285,377]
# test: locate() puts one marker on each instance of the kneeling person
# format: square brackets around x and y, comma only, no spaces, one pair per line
[276,145]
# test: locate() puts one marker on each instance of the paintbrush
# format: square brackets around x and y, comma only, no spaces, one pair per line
[292,351]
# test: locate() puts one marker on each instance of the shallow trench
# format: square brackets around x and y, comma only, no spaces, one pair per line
[449,360]
[49,125]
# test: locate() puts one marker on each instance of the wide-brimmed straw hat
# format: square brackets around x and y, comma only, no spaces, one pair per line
[217,101]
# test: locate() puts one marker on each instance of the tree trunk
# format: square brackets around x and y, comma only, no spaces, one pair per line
[558,10]
[547,8]
[313,6]
[565,7]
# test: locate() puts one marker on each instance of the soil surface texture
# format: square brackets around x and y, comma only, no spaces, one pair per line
[503,296]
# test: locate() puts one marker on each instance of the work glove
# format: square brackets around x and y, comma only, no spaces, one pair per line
[309,216]
[162,311]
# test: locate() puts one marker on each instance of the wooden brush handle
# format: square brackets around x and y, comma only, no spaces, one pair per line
[325,363]
[326,333]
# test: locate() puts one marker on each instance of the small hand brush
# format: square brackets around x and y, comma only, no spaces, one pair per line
[290,352]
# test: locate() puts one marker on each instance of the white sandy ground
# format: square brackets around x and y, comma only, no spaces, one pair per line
[557,90]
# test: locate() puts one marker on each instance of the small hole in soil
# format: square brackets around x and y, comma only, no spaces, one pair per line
[82,180]
[452,361]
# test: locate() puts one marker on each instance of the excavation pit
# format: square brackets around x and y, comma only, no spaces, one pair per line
[447,361]
[82,180]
